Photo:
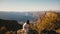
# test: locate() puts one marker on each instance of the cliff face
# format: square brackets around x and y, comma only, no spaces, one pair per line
[10,24]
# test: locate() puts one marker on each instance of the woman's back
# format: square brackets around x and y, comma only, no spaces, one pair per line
[26,26]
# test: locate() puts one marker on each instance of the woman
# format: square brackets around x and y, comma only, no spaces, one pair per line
[26,26]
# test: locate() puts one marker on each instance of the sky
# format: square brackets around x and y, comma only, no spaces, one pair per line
[29,5]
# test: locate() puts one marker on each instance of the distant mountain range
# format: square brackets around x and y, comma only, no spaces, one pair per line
[19,16]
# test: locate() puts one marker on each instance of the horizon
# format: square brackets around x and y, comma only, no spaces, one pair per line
[32,11]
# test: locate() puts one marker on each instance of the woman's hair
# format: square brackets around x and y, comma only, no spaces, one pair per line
[27,22]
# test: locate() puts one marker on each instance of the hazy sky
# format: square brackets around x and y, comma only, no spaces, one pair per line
[29,5]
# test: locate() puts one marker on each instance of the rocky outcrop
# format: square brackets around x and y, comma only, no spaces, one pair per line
[10,24]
